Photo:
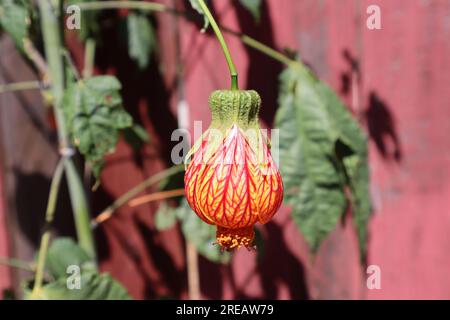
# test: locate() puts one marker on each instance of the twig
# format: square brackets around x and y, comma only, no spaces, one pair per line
[71,64]
[18,264]
[19,86]
[50,213]
[35,56]
[261,47]
[144,6]
[156,196]
[127,196]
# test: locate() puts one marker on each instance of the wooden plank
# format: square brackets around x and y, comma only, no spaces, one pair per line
[406,74]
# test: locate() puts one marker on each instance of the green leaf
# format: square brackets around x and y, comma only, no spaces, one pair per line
[361,203]
[142,40]
[254,6]
[196,6]
[15,19]
[354,159]
[93,286]
[62,253]
[94,113]
[322,150]
[317,211]
[165,217]
[349,131]
[200,234]
[306,135]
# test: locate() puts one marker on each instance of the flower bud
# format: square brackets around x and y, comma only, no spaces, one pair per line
[232,180]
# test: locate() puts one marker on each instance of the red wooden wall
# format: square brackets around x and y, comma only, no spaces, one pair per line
[395,80]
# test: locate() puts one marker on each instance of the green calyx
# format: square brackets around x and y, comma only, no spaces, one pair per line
[240,107]
[229,108]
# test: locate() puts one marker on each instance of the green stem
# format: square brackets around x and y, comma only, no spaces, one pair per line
[71,64]
[19,86]
[35,57]
[101,5]
[80,209]
[53,51]
[50,213]
[52,44]
[130,194]
[89,58]
[223,44]
[16,263]
[261,47]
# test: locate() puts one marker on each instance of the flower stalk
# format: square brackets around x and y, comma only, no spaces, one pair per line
[223,44]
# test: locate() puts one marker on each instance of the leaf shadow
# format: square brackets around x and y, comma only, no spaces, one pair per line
[31,196]
[211,280]
[173,278]
[288,270]
[382,128]
[378,117]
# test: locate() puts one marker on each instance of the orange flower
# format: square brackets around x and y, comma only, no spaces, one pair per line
[232,180]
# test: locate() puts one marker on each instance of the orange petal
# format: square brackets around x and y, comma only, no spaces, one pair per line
[233,189]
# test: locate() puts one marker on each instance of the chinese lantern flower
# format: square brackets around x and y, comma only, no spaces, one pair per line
[232,181]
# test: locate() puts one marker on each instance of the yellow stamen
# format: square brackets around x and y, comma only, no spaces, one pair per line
[230,239]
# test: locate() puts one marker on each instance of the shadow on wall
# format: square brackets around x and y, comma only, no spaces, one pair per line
[382,128]
[380,122]
[169,279]
[353,71]
[141,89]
[31,196]
[174,279]
[288,271]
